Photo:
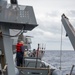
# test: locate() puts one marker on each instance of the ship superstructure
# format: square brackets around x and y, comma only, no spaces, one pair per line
[13,16]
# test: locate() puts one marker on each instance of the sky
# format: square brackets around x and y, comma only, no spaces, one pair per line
[48,16]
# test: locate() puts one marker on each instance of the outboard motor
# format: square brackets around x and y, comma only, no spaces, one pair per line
[57,72]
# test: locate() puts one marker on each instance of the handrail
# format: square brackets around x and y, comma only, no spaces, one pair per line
[32,58]
[32,68]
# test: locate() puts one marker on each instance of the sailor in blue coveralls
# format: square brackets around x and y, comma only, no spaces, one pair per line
[20,53]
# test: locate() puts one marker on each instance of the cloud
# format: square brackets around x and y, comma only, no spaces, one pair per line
[49,31]
[48,15]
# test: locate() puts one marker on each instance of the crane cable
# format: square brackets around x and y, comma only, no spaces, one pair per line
[61,47]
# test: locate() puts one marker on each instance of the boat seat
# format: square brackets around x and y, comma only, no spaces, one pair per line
[33,71]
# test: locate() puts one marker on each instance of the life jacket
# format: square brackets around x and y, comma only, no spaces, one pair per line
[18,47]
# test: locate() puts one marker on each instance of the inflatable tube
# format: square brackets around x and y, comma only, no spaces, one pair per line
[57,72]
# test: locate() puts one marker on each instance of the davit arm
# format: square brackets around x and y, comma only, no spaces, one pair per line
[69,29]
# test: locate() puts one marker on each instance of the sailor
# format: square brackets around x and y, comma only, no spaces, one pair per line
[20,53]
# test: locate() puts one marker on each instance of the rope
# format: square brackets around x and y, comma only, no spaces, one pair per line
[61,47]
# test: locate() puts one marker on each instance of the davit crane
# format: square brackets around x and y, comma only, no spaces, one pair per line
[69,29]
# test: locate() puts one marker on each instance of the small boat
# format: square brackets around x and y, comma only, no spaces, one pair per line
[33,63]
[35,66]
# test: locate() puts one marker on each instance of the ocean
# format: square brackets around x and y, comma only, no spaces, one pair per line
[67,59]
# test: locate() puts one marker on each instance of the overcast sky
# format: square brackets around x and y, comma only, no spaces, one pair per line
[48,15]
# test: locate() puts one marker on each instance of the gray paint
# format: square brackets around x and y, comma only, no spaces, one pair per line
[17,17]
[31,71]
[8,50]
[13,17]
[69,29]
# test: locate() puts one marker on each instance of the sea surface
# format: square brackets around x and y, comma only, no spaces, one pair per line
[65,62]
